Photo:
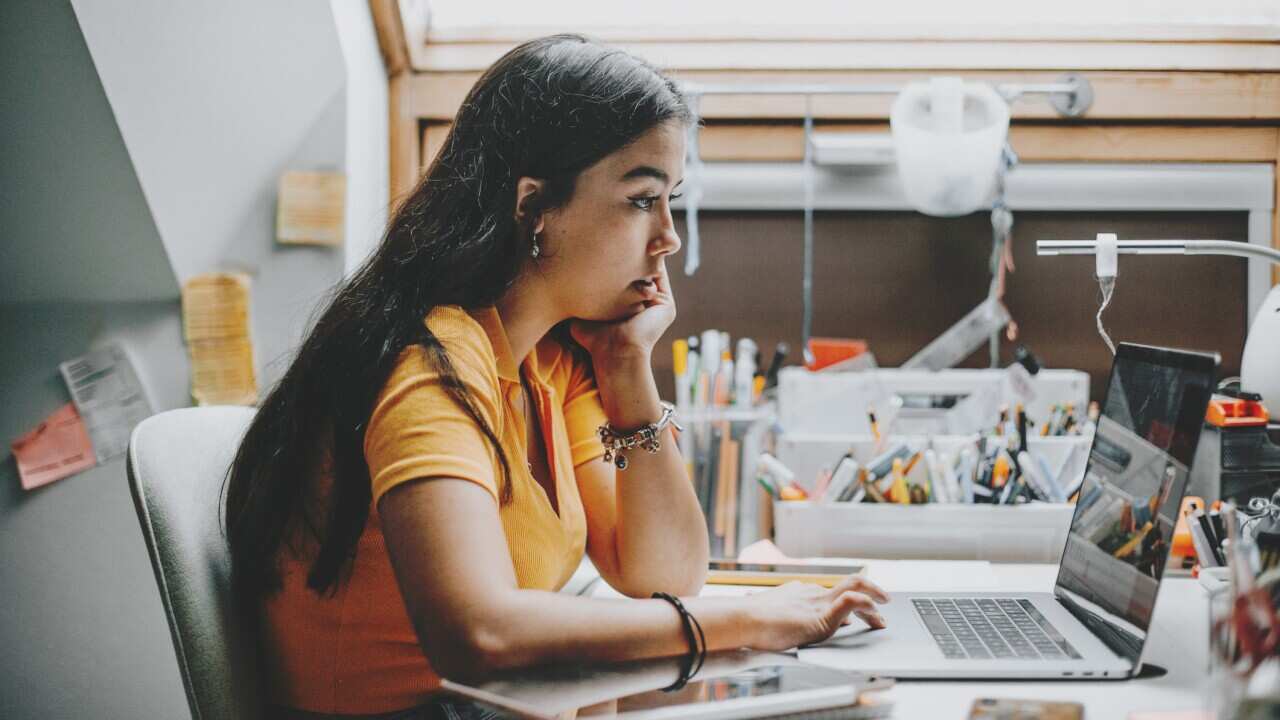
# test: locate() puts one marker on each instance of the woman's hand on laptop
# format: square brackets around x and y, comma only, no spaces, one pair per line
[801,613]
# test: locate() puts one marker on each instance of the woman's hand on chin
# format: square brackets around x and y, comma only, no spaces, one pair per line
[633,336]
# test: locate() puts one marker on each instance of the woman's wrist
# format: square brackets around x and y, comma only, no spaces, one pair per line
[628,393]
[736,624]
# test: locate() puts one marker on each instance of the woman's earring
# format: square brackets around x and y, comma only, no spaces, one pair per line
[536,251]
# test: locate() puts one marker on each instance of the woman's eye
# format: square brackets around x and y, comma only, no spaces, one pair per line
[644,203]
[675,196]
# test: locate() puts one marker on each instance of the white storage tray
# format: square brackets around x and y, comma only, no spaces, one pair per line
[808,454]
[1032,532]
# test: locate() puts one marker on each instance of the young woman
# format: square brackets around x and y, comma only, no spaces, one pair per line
[429,470]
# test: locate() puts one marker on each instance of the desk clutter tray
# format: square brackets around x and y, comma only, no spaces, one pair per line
[982,530]
[1033,532]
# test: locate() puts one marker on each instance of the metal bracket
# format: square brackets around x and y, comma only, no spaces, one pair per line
[1077,101]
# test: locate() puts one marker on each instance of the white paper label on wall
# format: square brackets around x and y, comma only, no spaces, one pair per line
[108,396]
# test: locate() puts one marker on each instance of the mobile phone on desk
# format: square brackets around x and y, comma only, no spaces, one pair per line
[1010,709]
[731,572]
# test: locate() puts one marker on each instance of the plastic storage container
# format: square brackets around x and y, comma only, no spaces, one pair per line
[1033,532]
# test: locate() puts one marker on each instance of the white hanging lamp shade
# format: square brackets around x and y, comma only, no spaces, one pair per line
[948,136]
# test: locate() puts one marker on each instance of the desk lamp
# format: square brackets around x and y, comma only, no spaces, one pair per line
[1260,363]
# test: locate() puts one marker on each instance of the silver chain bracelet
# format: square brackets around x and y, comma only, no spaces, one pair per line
[646,437]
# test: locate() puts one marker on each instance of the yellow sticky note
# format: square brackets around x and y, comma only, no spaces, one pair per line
[215,318]
[311,208]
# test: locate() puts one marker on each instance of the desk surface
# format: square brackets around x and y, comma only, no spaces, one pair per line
[1178,642]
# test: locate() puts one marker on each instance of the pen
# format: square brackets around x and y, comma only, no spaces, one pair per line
[779,355]
[1022,428]
[875,427]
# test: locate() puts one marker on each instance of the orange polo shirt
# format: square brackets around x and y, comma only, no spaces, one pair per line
[356,651]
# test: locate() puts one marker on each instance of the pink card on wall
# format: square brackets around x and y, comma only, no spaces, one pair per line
[58,447]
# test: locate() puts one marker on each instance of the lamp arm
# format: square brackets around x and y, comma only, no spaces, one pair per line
[1161,247]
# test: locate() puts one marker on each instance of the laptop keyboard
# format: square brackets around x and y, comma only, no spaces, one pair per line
[992,628]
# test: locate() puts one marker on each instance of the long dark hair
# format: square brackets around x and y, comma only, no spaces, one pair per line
[548,109]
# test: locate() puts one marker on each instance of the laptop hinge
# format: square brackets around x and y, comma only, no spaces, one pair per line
[1121,642]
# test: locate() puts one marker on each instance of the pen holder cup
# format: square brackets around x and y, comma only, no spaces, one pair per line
[721,447]
[1239,687]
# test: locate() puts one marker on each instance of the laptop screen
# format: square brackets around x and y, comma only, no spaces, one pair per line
[1137,472]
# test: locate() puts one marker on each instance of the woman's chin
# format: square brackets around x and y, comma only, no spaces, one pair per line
[618,312]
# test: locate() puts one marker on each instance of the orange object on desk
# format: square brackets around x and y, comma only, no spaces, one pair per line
[1182,546]
[829,351]
[792,491]
[1233,412]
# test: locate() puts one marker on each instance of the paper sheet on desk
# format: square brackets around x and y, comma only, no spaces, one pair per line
[108,396]
[56,448]
[892,575]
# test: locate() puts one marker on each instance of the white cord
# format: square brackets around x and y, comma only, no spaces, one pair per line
[1107,267]
[1108,286]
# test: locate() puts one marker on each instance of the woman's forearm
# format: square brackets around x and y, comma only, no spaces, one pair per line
[660,537]
[535,627]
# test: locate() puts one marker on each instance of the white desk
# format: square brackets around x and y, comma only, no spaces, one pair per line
[1178,643]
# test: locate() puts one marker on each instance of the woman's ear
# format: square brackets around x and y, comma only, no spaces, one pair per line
[529,202]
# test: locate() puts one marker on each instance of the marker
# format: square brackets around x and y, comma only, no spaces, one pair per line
[744,368]
[1000,472]
[680,367]
[873,491]
[898,491]
[724,378]
[844,475]
[773,467]
[968,461]
[941,490]
[793,491]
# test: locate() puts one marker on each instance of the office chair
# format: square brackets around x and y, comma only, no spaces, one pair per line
[177,463]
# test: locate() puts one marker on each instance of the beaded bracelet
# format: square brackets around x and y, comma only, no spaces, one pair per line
[646,437]
[697,650]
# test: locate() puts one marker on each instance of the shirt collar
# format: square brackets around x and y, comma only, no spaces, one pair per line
[507,367]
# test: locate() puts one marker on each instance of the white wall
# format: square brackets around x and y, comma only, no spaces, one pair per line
[142,143]
[215,101]
[368,144]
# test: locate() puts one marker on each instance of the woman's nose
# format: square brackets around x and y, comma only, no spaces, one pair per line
[667,242]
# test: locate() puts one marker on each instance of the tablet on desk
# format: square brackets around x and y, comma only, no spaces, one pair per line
[738,684]
[730,572]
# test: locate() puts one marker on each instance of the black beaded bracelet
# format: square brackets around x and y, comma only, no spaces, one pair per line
[697,650]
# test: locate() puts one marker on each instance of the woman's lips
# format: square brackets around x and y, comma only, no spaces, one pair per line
[646,287]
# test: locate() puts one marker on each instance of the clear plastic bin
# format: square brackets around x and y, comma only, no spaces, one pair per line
[1031,532]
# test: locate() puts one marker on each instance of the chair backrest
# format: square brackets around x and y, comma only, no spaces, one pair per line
[177,464]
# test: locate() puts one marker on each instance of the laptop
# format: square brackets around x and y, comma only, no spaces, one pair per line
[1094,624]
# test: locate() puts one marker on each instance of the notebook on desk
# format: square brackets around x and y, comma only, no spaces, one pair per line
[1094,624]
[737,684]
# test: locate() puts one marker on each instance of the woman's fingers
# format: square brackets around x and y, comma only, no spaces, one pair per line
[859,604]
[862,585]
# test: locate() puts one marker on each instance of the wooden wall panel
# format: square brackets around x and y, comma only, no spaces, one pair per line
[899,279]
[1118,95]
